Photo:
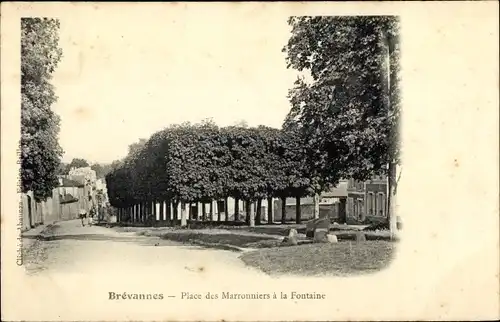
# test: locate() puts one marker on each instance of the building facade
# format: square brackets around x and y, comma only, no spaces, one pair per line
[367,199]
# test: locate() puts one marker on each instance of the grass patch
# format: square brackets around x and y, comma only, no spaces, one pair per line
[282,230]
[223,238]
[370,235]
[339,259]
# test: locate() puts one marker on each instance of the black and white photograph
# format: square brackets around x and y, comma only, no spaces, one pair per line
[235,161]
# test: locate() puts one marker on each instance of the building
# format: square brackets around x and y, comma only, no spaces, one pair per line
[331,204]
[368,199]
[71,197]
[88,178]
[87,173]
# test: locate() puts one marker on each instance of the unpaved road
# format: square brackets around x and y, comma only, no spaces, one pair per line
[72,274]
[76,249]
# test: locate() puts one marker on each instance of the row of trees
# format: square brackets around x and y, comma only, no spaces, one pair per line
[192,163]
[343,123]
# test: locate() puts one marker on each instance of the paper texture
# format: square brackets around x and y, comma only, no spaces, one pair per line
[446,266]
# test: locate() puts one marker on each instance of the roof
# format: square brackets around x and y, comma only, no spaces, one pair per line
[68,198]
[337,192]
[340,191]
[65,182]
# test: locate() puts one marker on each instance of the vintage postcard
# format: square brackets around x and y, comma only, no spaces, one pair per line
[250,161]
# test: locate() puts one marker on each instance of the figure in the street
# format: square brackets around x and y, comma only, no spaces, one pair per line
[91,215]
[82,215]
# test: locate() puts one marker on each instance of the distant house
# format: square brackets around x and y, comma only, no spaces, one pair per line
[102,190]
[331,204]
[75,191]
[350,199]
[367,199]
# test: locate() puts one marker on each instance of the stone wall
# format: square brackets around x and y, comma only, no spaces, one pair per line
[45,212]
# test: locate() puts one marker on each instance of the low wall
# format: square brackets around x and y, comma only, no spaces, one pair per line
[45,212]
[306,211]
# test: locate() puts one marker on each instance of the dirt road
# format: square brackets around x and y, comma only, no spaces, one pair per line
[74,272]
[72,248]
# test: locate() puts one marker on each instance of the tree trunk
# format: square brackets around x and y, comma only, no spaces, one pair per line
[162,211]
[298,214]
[392,107]
[251,212]
[258,212]
[203,211]
[248,210]
[343,211]
[176,212]
[316,205]
[168,211]
[220,210]
[211,218]
[391,216]
[270,211]
[193,215]
[184,211]
[236,209]
[283,210]
[226,209]
[155,211]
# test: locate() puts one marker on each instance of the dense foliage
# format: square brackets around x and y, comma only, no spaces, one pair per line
[40,150]
[203,162]
[347,117]
[342,124]
[349,113]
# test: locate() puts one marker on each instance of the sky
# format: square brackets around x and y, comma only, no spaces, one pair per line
[127,74]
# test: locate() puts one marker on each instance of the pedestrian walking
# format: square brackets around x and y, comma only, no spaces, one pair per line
[82,215]
[91,215]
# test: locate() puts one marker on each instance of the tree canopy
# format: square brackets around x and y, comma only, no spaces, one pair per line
[349,112]
[348,115]
[40,149]
[342,124]
[78,163]
[203,162]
